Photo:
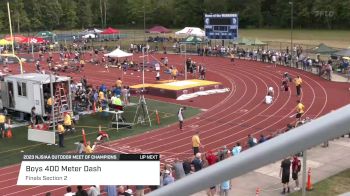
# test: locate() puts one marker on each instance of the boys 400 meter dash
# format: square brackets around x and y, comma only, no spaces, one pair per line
[75,169]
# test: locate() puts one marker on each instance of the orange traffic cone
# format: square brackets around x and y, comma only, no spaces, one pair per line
[157,116]
[84,136]
[309,183]
[257,192]
[9,133]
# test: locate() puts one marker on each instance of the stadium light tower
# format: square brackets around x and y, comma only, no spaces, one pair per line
[291,32]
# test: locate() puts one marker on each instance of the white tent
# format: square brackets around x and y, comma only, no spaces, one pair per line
[91,31]
[191,31]
[87,36]
[117,53]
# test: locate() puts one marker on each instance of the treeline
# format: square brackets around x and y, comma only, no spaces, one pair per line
[34,15]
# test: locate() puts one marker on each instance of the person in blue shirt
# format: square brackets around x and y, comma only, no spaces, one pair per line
[103,88]
[167,178]
[117,92]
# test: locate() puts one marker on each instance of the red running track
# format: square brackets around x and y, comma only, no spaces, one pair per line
[228,118]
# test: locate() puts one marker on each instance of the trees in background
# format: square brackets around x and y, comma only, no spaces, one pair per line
[34,15]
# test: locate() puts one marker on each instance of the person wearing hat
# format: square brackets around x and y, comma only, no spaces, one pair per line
[2,124]
[60,131]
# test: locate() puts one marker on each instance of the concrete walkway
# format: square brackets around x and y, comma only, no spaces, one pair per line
[324,162]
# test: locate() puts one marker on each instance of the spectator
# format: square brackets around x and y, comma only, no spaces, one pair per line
[140,190]
[122,192]
[222,153]
[187,166]
[224,188]
[168,179]
[93,191]
[262,139]
[34,119]
[69,191]
[81,191]
[285,174]
[111,190]
[197,162]
[211,158]
[251,142]
[237,149]
[179,169]
[296,167]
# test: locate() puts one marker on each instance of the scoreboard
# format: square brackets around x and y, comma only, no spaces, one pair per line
[221,26]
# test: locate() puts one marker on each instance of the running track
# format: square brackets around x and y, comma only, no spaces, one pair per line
[228,118]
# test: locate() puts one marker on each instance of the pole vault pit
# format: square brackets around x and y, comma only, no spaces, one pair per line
[174,89]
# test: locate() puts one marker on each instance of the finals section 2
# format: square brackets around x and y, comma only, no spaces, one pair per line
[86,169]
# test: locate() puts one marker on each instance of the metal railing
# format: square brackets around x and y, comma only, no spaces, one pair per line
[330,126]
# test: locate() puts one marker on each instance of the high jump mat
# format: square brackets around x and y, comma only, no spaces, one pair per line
[173,89]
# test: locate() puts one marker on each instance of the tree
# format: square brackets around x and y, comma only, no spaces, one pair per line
[85,14]
[69,17]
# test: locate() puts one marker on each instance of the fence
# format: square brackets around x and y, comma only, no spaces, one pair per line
[330,126]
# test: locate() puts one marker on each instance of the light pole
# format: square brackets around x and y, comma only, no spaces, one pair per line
[291,32]
[144,21]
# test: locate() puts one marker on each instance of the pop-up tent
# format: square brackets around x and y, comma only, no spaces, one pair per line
[158,29]
[45,34]
[345,52]
[242,41]
[33,40]
[4,42]
[193,40]
[89,36]
[324,49]
[110,30]
[16,38]
[91,31]
[117,53]
[187,31]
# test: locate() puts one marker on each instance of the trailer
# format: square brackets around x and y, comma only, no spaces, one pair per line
[22,92]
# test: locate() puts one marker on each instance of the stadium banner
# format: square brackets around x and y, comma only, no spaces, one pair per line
[88,169]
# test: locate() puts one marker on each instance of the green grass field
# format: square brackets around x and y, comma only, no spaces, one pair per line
[11,149]
[334,185]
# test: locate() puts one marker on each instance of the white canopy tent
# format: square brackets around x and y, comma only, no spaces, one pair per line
[87,36]
[91,31]
[187,31]
[117,53]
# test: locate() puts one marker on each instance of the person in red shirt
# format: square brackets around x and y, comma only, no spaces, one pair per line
[212,159]
[296,166]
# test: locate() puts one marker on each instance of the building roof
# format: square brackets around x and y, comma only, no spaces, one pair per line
[36,77]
